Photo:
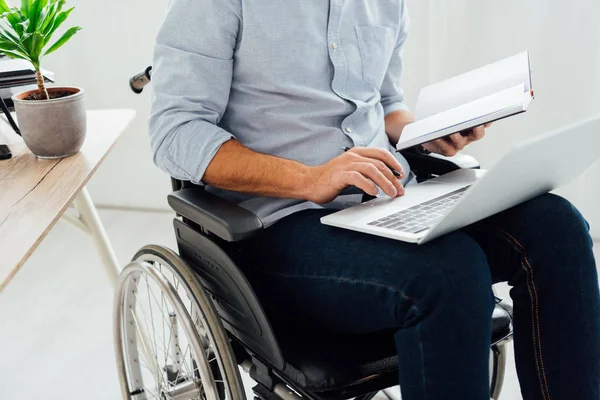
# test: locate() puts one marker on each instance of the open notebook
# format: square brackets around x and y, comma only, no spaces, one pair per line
[487,94]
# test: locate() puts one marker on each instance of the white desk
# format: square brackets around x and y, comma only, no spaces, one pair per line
[35,193]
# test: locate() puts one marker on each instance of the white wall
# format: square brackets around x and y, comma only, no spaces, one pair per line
[115,44]
[564,41]
[447,37]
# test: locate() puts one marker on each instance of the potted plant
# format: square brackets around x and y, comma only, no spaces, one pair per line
[52,120]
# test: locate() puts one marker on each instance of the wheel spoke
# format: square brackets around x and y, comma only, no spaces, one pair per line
[156,341]
[164,320]
[181,355]
[162,304]
[152,321]
[156,372]
[160,345]
[189,371]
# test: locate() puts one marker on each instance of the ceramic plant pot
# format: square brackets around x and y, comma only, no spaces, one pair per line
[52,128]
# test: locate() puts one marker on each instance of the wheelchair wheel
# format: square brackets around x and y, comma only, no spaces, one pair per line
[169,340]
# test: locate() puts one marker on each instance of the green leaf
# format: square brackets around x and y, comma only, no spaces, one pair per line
[8,33]
[16,55]
[20,14]
[50,15]
[3,6]
[35,11]
[6,37]
[25,37]
[27,42]
[8,45]
[58,21]
[15,52]
[25,7]
[36,47]
[15,22]
[64,39]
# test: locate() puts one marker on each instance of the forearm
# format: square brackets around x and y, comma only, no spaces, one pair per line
[395,123]
[238,168]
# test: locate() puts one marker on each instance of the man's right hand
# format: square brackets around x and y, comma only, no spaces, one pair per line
[365,168]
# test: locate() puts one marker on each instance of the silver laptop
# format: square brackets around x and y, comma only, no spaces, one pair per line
[455,200]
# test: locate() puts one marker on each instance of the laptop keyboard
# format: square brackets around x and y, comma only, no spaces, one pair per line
[422,216]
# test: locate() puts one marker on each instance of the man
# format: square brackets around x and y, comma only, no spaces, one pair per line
[257,98]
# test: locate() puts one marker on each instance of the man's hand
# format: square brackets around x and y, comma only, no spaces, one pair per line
[365,168]
[452,144]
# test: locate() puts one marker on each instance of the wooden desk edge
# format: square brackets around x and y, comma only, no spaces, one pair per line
[131,115]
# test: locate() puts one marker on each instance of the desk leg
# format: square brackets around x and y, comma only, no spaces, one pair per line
[88,216]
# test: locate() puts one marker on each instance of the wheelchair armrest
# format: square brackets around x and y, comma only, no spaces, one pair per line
[227,220]
[425,165]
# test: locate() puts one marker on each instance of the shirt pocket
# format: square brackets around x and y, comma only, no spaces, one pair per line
[375,44]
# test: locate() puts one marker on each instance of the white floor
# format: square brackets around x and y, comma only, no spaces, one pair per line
[56,315]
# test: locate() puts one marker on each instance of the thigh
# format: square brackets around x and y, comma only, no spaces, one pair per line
[546,231]
[308,273]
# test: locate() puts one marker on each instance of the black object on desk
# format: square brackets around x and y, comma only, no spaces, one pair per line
[5,153]
[9,117]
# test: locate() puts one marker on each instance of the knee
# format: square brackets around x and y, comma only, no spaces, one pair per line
[419,297]
[556,241]
[555,213]
[559,223]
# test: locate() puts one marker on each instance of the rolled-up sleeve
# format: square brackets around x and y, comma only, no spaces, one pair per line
[191,80]
[392,95]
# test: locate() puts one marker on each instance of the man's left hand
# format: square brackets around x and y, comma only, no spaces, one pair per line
[450,145]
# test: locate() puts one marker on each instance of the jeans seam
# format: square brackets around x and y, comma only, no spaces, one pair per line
[340,279]
[527,267]
[523,252]
[533,327]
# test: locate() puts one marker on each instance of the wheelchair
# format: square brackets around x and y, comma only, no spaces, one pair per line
[186,323]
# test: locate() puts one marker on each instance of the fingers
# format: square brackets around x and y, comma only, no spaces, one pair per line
[354,178]
[374,166]
[477,133]
[384,169]
[467,132]
[382,155]
[458,141]
[370,171]
[442,147]
[450,145]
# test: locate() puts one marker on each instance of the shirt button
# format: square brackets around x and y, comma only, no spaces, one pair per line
[349,130]
[334,45]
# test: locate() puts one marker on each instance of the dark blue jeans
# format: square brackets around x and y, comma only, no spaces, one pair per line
[438,300]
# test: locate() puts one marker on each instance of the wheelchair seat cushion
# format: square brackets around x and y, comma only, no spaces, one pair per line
[320,363]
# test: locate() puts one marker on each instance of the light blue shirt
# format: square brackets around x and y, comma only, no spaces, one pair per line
[295,79]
